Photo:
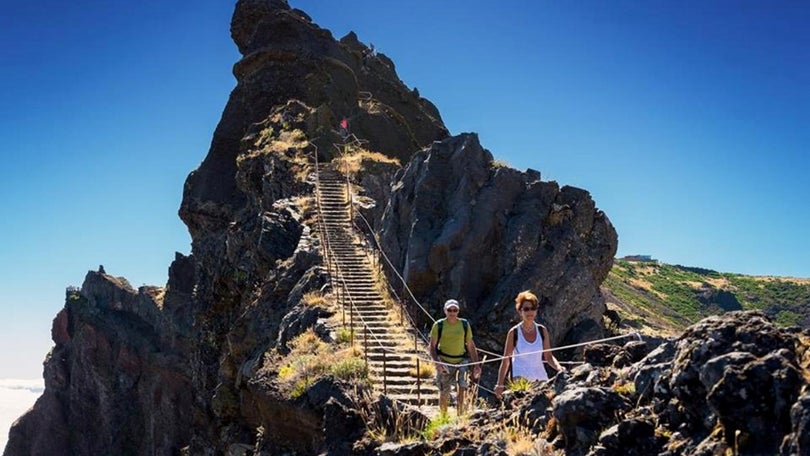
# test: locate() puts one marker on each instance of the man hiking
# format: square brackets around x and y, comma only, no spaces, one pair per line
[452,348]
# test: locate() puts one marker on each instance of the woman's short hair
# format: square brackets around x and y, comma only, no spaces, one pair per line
[525,296]
[532,298]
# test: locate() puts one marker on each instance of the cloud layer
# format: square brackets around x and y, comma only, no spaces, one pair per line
[16,397]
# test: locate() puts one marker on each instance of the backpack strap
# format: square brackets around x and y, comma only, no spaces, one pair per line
[515,330]
[440,324]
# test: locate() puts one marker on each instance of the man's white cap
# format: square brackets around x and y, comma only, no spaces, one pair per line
[451,303]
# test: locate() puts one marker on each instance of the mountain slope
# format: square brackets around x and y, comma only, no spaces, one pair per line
[655,297]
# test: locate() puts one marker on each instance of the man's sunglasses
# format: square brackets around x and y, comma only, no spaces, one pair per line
[451,310]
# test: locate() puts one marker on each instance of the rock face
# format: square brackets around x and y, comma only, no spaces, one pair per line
[117,380]
[731,384]
[461,227]
[192,368]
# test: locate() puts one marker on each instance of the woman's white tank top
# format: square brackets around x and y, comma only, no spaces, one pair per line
[529,366]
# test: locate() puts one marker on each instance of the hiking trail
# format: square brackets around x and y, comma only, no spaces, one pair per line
[389,342]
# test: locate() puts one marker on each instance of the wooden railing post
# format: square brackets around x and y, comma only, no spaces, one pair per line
[351,319]
[418,383]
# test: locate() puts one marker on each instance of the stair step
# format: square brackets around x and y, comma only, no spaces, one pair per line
[373,321]
[411,399]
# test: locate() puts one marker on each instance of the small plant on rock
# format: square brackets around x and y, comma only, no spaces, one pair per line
[625,388]
[349,368]
[314,298]
[311,358]
[387,424]
[436,425]
[520,384]
[343,335]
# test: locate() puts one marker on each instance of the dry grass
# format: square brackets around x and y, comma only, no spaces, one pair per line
[288,139]
[516,438]
[306,205]
[351,163]
[796,280]
[315,298]
[385,427]
[720,282]
[625,388]
[693,284]
[640,284]
[426,370]
[311,358]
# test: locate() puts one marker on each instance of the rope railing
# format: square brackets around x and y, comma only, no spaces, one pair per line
[390,288]
[342,290]
[495,357]
[396,274]
[347,295]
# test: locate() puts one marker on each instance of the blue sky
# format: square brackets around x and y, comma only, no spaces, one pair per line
[687,122]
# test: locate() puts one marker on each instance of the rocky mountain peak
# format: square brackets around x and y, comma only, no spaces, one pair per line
[198,367]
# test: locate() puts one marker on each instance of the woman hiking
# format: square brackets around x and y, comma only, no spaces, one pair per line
[529,342]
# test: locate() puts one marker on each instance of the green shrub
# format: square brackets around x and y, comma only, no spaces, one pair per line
[343,336]
[433,427]
[349,369]
[520,384]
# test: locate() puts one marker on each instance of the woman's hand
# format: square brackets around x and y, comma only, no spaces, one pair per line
[498,391]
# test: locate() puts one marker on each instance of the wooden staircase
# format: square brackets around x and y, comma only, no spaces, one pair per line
[387,340]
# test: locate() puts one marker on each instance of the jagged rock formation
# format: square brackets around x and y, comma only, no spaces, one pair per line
[731,384]
[461,227]
[192,368]
[114,381]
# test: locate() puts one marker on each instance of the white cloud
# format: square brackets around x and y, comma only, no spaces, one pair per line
[16,397]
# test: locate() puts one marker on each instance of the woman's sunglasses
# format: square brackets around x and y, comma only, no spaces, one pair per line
[527,309]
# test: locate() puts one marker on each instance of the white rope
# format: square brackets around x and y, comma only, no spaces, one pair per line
[497,356]
[394,269]
[515,355]
[340,278]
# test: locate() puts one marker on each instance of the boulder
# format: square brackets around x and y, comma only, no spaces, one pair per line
[461,226]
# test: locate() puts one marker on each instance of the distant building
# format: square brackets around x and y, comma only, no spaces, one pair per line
[643,258]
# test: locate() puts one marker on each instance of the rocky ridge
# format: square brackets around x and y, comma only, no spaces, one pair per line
[195,368]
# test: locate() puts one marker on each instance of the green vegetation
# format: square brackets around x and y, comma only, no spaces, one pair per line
[625,388]
[311,358]
[760,293]
[434,426]
[349,369]
[343,336]
[681,295]
[519,384]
